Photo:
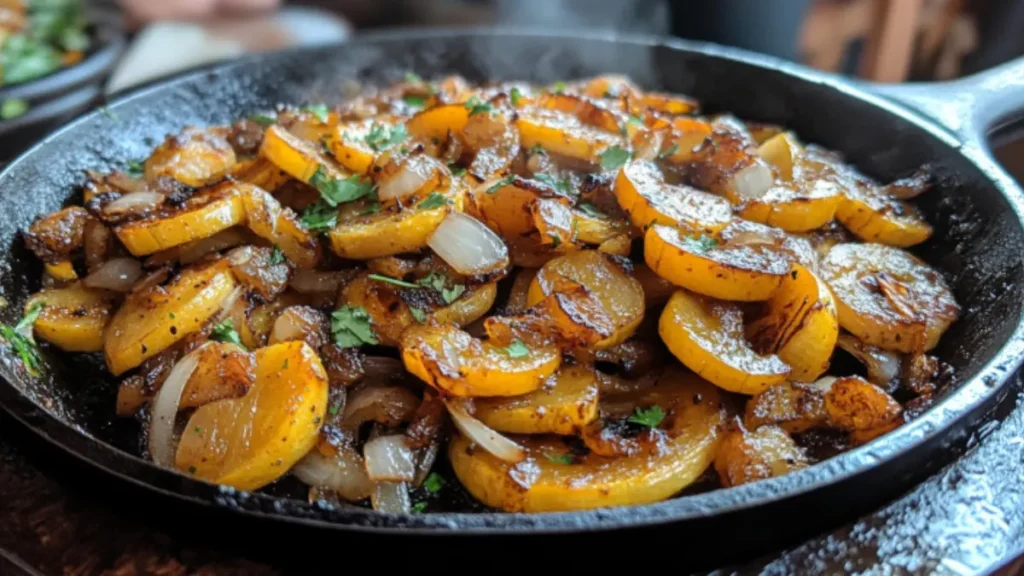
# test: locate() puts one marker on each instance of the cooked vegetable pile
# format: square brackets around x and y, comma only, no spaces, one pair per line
[38,37]
[579,295]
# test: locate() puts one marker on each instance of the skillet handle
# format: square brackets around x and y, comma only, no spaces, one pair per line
[970,107]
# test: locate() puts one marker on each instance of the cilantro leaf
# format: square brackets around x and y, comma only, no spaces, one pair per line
[555,240]
[277,255]
[517,349]
[395,281]
[558,185]
[381,137]
[614,157]
[339,191]
[700,244]
[415,101]
[350,327]
[319,216]
[670,151]
[22,340]
[419,315]
[649,417]
[538,149]
[558,87]
[12,108]
[506,181]
[514,96]
[321,111]
[225,332]
[559,458]
[263,119]
[433,200]
[475,106]
[440,283]
[456,170]
[413,78]
[433,483]
[419,507]
[135,168]
[591,210]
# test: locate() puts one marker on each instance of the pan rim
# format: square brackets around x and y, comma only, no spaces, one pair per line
[974,395]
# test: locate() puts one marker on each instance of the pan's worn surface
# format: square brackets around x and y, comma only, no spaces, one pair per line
[976,209]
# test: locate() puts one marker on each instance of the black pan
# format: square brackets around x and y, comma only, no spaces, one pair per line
[977,211]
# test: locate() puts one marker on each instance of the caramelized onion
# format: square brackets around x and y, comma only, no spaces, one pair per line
[134,203]
[165,409]
[494,443]
[118,275]
[222,240]
[389,459]
[382,367]
[390,405]
[883,366]
[344,473]
[468,246]
[410,176]
[317,281]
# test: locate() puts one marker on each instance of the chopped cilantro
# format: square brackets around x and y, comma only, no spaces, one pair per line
[197,430]
[456,171]
[419,315]
[277,255]
[517,349]
[321,111]
[338,191]
[433,200]
[635,119]
[381,137]
[701,244]
[670,151]
[263,119]
[558,87]
[514,96]
[433,483]
[591,210]
[555,240]
[559,458]
[319,216]
[371,208]
[439,282]
[415,101]
[538,149]
[225,332]
[171,315]
[191,469]
[350,327]
[22,340]
[395,281]
[649,417]
[507,180]
[135,168]
[475,106]
[413,78]
[614,157]
[558,185]
[333,409]
[419,507]
[12,108]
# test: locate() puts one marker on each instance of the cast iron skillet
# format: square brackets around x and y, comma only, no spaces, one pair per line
[977,211]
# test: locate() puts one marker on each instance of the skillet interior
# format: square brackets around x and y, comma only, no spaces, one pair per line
[977,244]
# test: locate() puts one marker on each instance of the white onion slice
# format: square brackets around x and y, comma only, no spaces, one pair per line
[391,497]
[389,459]
[494,443]
[883,367]
[119,275]
[136,202]
[317,282]
[468,246]
[165,409]
[193,251]
[228,306]
[412,174]
[343,473]
[753,181]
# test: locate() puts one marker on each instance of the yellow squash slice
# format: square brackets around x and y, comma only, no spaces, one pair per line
[74,317]
[643,194]
[566,403]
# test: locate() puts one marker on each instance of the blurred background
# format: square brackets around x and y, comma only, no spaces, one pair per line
[144,40]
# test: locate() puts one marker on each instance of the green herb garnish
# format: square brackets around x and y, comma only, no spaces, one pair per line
[475,106]
[433,200]
[371,208]
[394,281]
[413,78]
[321,111]
[225,332]
[338,191]
[277,255]
[591,210]
[319,216]
[263,119]
[433,483]
[514,96]
[440,283]
[559,458]
[23,341]
[614,157]
[517,349]
[135,168]
[381,137]
[13,108]
[649,417]
[419,315]
[419,507]
[701,244]
[670,151]
[456,171]
[558,87]
[506,181]
[350,327]
[415,101]
[558,185]
[555,240]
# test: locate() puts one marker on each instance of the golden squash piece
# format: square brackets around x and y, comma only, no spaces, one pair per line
[610,86]
[195,157]
[852,403]
[201,216]
[748,456]
[74,317]
[727,164]
[685,136]
[349,147]
[275,223]
[251,441]
[518,295]
[670,104]
[494,142]
[799,323]
[150,321]
[62,271]
[471,306]
[621,245]
[222,371]
[745,272]
[553,221]
[506,207]
[299,158]
[707,337]
[452,361]
[261,173]
[873,216]
[432,126]
[781,151]
[554,479]
[620,295]
[656,289]
[566,403]
[564,134]
[598,229]
[792,406]
[584,109]
[889,298]
[795,208]
[642,193]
